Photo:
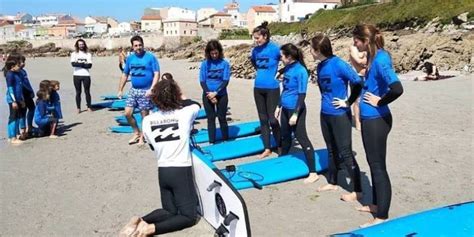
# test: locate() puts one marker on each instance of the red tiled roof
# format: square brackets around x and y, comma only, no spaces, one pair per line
[263,9]
[219,14]
[151,17]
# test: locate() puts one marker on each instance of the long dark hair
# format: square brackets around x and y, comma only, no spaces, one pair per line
[322,44]
[214,45]
[167,94]
[263,30]
[372,35]
[294,52]
[76,45]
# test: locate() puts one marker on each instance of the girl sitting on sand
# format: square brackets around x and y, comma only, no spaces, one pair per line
[43,115]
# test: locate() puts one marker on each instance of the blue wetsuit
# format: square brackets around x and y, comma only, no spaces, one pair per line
[14,94]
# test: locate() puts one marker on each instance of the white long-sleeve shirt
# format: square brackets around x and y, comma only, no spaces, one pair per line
[81,57]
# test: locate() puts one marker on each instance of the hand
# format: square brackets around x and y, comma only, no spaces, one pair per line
[211,95]
[119,94]
[293,119]
[148,93]
[214,100]
[14,106]
[339,103]
[371,99]
[277,112]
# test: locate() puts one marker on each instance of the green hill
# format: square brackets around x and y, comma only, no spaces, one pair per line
[395,15]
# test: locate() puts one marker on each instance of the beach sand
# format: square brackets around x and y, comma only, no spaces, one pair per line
[89,182]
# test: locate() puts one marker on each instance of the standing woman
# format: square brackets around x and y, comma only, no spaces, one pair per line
[293,108]
[81,60]
[359,62]
[381,87]
[334,75]
[214,78]
[265,58]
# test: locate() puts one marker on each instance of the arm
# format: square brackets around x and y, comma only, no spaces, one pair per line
[203,76]
[226,77]
[123,80]
[10,87]
[396,90]
[252,60]
[358,57]
[156,75]
[302,86]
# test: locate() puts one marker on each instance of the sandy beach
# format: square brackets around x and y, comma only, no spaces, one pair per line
[89,181]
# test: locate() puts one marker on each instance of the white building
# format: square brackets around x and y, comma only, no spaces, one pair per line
[151,23]
[233,10]
[7,31]
[204,13]
[297,10]
[49,19]
[26,34]
[177,13]
[259,14]
[122,28]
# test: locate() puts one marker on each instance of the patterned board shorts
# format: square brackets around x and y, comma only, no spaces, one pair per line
[137,99]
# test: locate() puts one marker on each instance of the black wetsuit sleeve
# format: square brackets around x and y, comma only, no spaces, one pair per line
[87,65]
[204,86]
[396,90]
[189,102]
[222,86]
[76,64]
[355,92]
[300,102]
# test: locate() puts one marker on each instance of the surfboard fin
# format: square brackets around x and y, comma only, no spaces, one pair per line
[229,218]
[221,231]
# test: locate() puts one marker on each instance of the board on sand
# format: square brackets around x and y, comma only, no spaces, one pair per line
[453,220]
[236,148]
[235,131]
[122,120]
[220,203]
[273,170]
[113,97]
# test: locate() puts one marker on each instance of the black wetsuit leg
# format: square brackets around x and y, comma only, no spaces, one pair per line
[266,101]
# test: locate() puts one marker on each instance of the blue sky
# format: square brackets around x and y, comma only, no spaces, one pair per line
[122,10]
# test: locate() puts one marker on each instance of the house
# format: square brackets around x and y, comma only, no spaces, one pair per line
[135,25]
[7,30]
[99,24]
[179,28]
[221,20]
[23,18]
[49,19]
[177,13]
[151,23]
[297,10]
[204,13]
[233,9]
[26,33]
[258,14]
[67,26]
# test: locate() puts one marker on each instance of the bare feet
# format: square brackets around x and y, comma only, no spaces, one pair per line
[372,222]
[16,141]
[144,229]
[351,197]
[89,110]
[312,177]
[78,111]
[130,227]
[265,153]
[53,136]
[370,208]
[327,187]
[135,139]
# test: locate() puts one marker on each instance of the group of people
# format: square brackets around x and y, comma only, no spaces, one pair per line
[281,110]
[22,109]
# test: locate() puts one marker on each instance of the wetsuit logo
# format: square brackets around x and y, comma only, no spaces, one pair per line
[138,70]
[215,74]
[166,132]
[325,84]
[262,63]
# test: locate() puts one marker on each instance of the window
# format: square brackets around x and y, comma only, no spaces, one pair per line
[325,6]
[288,7]
[176,32]
[220,21]
[184,32]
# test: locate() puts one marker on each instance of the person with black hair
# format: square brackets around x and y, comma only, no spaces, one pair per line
[168,133]
[28,111]
[381,87]
[81,60]
[144,70]
[265,57]
[292,109]
[14,97]
[334,77]
[214,77]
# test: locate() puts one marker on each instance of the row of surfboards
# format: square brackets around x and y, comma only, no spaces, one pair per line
[224,208]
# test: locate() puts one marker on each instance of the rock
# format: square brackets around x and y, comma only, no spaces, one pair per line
[458,20]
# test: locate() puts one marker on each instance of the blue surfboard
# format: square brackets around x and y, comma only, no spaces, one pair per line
[235,131]
[119,104]
[453,220]
[274,170]
[236,148]
[113,97]
[100,105]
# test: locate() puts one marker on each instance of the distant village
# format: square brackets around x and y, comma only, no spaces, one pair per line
[170,22]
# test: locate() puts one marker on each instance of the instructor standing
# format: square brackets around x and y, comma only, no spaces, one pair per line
[144,71]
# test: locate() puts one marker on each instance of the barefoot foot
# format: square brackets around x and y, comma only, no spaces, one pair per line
[327,187]
[370,208]
[375,221]
[312,177]
[265,153]
[130,227]
[351,197]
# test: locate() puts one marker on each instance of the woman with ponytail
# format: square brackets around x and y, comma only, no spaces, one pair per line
[292,109]
[265,58]
[381,87]
[334,77]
